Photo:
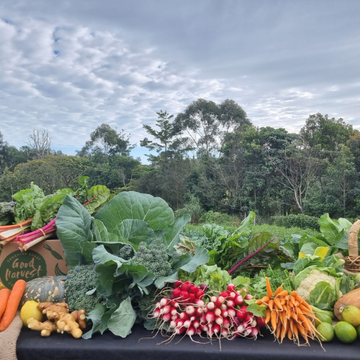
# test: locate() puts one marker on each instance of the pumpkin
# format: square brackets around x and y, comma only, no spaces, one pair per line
[350,298]
[46,288]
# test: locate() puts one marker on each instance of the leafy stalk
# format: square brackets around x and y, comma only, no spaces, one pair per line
[248,257]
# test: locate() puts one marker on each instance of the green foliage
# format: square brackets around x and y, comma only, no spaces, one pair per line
[140,220]
[218,218]
[80,286]
[192,207]
[300,221]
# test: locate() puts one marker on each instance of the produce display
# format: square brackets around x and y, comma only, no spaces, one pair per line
[132,261]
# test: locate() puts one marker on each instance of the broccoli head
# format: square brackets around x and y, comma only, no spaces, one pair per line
[79,281]
[126,252]
[154,257]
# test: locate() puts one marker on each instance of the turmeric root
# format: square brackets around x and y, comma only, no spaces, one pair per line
[46,327]
[59,319]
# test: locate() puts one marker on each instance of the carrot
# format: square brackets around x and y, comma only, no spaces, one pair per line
[277,304]
[271,304]
[268,288]
[278,291]
[283,293]
[4,296]
[268,315]
[12,304]
[273,320]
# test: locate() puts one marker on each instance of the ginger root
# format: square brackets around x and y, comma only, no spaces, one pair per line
[46,327]
[59,319]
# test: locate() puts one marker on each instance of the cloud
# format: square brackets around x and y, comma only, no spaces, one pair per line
[68,67]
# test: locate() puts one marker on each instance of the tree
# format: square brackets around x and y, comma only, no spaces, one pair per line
[167,136]
[106,140]
[328,133]
[40,143]
[205,124]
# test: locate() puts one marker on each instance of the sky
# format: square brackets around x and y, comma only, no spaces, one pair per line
[68,66]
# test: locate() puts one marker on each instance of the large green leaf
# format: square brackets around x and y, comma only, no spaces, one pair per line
[123,319]
[135,231]
[335,231]
[132,205]
[73,224]
[171,235]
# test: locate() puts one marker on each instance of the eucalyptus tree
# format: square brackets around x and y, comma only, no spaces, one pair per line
[205,124]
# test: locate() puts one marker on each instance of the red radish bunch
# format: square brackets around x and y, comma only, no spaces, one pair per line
[222,316]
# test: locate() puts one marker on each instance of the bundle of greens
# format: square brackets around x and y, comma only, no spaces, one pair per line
[131,240]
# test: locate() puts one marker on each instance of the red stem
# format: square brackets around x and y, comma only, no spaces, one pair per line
[247,258]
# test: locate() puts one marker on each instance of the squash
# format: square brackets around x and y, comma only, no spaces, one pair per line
[46,288]
[350,298]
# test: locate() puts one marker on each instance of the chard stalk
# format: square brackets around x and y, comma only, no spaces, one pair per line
[247,258]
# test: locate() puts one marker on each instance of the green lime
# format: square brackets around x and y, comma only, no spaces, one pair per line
[351,314]
[326,331]
[358,330]
[345,332]
[322,318]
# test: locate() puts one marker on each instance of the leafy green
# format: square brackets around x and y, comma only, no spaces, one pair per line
[143,224]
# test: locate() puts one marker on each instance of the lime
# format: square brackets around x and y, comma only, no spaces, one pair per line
[28,310]
[322,318]
[345,332]
[326,331]
[351,314]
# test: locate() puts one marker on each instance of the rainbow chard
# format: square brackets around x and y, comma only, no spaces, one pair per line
[261,248]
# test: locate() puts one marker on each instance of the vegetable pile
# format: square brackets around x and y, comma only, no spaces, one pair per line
[190,310]
[131,261]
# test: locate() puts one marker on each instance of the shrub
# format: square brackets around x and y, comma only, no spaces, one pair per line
[301,221]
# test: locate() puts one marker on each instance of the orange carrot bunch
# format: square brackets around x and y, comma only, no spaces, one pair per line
[288,315]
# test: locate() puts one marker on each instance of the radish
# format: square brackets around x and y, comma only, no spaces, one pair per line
[199,302]
[176,292]
[200,293]
[164,301]
[194,289]
[224,313]
[184,295]
[231,313]
[219,301]
[217,312]
[248,297]
[254,332]
[224,294]
[210,305]
[190,331]
[223,307]
[166,317]
[241,314]
[187,323]
[156,313]
[186,286]
[230,303]
[199,312]
[231,288]
[219,320]
[203,287]
[178,283]
[226,323]
[210,317]
[260,321]
[190,310]
[165,310]
[239,300]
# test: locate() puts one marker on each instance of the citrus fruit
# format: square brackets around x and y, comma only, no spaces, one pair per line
[326,331]
[358,330]
[345,332]
[28,310]
[351,314]
[322,318]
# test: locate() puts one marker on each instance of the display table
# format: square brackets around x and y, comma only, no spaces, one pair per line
[140,346]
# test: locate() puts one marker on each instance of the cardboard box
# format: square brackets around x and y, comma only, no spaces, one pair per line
[43,259]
